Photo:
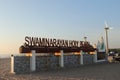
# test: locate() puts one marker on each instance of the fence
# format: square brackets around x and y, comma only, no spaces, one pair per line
[25,63]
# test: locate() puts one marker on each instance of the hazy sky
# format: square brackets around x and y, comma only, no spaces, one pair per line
[60,19]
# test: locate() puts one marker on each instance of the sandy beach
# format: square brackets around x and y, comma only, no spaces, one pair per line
[99,71]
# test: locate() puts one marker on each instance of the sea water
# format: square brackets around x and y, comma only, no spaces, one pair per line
[5,55]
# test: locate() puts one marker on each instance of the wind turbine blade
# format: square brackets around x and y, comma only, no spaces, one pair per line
[111,28]
[106,25]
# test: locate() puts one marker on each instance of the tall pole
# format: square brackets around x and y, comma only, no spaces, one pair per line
[107,47]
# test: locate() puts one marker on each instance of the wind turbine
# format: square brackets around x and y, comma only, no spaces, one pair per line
[106,31]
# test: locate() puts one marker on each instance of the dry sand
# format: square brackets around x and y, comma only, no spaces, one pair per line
[99,71]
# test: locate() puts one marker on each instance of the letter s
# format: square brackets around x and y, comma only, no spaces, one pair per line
[27,39]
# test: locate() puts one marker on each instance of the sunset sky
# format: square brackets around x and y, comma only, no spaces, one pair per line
[60,19]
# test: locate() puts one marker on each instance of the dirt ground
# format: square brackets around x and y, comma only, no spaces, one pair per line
[99,71]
